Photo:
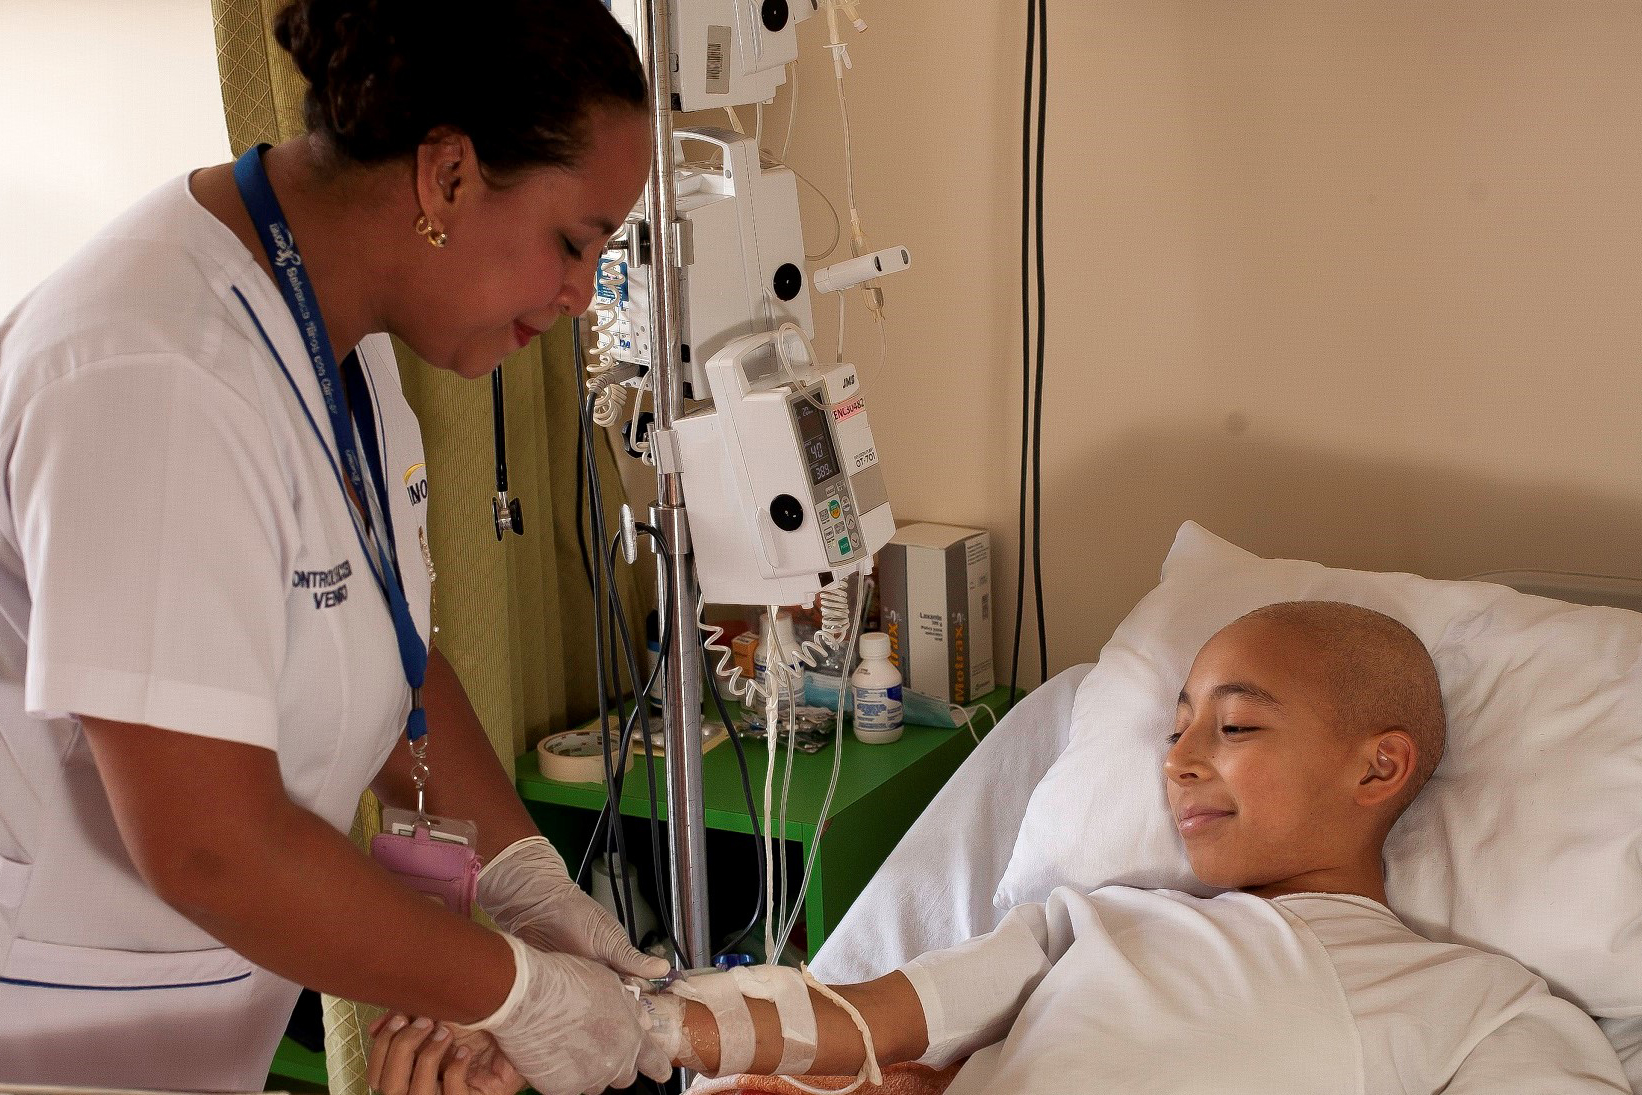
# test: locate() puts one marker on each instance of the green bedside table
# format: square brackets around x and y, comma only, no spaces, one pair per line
[881,790]
[293,1062]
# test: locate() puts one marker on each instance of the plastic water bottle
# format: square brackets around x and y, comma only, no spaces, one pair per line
[877,685]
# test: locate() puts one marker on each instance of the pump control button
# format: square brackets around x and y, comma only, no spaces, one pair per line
[787,514]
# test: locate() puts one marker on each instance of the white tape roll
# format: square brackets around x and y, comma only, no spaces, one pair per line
[574,757]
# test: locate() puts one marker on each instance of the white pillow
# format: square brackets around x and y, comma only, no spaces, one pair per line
[1526,841]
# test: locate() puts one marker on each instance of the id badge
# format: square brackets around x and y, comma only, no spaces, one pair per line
[434,856]
[446,830]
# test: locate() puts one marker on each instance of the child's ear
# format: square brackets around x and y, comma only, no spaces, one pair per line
[1389,764]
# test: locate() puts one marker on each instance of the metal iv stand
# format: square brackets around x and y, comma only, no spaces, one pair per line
[681,682]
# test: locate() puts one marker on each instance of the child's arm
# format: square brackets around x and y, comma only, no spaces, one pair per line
[889,1006]
[936,1009]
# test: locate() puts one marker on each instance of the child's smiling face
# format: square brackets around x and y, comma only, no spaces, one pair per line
[1263,781]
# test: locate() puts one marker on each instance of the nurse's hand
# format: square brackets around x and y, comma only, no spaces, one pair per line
[570,1026]
[424,1058]
[529,893]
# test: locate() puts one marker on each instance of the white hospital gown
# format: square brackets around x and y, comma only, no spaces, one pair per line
[1128,990]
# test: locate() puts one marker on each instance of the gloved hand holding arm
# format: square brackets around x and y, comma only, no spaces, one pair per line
[524,887]
[569,1025]
[528,891]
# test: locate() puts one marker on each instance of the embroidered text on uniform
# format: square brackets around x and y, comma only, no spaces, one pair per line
[331,584]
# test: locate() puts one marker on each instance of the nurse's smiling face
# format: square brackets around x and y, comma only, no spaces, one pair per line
[1260,778]
[521,252]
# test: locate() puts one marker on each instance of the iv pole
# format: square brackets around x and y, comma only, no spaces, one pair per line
[681,682]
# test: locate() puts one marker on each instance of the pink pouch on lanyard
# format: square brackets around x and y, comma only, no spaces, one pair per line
[444,871]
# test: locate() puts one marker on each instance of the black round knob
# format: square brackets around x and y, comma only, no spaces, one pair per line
[775,15]
[632,442]
[787,514]
[789,281]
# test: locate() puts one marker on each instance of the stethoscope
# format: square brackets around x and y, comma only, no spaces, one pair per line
[506,511]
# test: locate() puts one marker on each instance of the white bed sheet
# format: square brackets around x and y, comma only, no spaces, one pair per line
[935,889]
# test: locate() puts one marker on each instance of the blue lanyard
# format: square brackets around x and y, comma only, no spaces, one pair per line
[261,203]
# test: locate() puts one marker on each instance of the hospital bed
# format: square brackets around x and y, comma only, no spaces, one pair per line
[1527,840]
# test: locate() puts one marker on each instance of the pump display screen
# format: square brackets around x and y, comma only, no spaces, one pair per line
[817,441]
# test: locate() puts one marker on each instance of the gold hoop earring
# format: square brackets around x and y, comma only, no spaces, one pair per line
[424,227]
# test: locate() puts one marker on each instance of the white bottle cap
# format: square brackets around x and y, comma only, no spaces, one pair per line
[874,644]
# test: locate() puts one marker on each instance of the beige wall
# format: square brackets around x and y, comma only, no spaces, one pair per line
[100,102]
[1355,281]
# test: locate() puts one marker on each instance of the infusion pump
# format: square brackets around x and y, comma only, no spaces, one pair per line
[781,476]
[743,259]
[725,52]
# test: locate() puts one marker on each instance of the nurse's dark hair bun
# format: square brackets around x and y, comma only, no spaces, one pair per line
[519,77]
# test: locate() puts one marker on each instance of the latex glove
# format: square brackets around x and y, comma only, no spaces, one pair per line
[571,1027]
[529,893]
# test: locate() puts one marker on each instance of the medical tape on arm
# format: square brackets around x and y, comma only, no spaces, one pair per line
[718,993]
[787,990]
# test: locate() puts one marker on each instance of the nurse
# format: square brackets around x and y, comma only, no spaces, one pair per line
[214,588]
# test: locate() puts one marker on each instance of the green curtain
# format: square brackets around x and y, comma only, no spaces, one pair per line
[514,617]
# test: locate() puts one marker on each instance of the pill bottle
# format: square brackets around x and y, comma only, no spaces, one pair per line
[791,690]
[877,685]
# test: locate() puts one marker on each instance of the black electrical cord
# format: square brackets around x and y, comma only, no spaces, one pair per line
[669,608]
[1026,339]
[640,717]
[603,672]
[587,474]
[580,354]
[736,745]
[1043,297]
[741,758]
[752,808]
[616,762]
[606,674]
[615,851]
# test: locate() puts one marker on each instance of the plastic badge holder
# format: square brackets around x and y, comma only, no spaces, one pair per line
[432,855]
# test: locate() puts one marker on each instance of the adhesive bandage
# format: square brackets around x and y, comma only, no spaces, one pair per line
[785,988]
[719,994]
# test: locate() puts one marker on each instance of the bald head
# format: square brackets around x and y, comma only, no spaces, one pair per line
[1375,673]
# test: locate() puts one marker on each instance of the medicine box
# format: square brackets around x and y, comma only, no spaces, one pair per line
[935,589]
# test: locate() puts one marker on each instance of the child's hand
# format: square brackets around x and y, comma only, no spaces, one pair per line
[427,1058]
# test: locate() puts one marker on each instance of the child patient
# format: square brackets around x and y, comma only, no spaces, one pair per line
[1303,731]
